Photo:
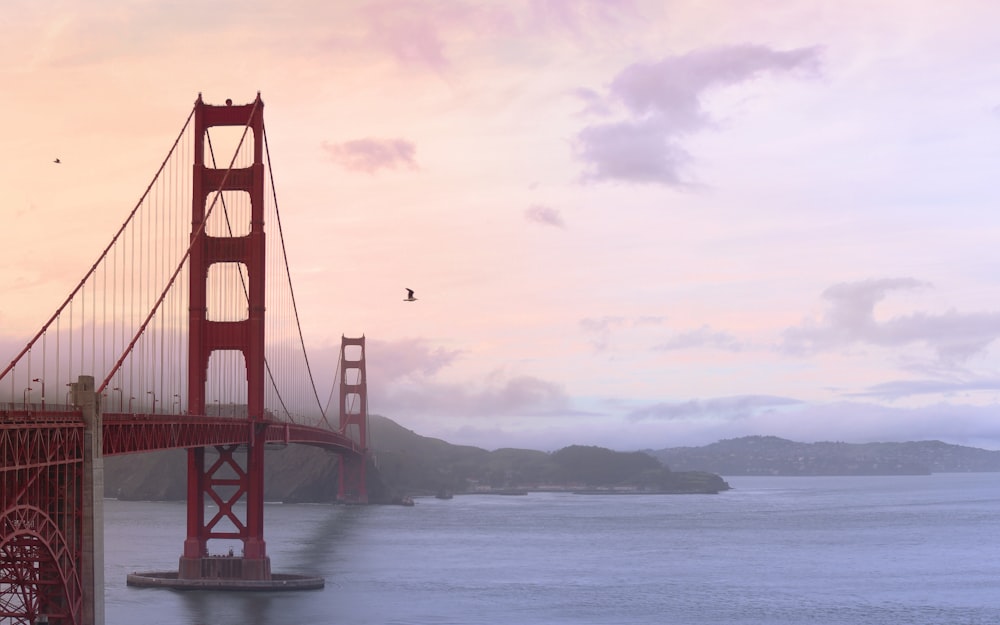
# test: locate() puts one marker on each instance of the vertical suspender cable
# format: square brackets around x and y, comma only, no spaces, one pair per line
[284,253]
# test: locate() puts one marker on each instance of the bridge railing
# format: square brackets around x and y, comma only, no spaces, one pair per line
[15,409]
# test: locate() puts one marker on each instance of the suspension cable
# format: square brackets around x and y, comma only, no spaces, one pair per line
[295,308]
[336,380]
[104,254]
[194,239]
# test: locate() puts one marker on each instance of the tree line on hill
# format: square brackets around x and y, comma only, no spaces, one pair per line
[406,464]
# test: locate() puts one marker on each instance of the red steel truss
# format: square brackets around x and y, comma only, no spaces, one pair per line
[41,490]
[41,464]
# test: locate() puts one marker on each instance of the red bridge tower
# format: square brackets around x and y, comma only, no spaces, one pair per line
[353,420]
[216,482]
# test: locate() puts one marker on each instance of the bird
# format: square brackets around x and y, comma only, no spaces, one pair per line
[57,161]
[409,296]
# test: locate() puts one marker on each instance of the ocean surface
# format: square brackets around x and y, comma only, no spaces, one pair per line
[778,550]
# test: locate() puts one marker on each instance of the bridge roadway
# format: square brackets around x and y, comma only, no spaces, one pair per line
[135,433]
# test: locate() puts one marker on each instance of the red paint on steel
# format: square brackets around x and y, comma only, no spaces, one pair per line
[247,336]
[41,533]
[353,421]
[127,433]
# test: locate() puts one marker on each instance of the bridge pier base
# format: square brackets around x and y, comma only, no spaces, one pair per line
[224,568]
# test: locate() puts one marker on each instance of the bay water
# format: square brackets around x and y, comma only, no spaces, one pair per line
[914,550]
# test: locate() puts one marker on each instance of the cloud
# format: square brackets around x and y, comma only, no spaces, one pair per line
[702,337]
[409,33]
[517,396]
[432,34]
[663,102]
[702,422]
[419,35]
[601,328]
[574,15]
[601,324]
[864,422]
[640,152]
[906,388]
[497,410]
[407,372]
[850,319]
[544,215]
[720,408]
[406,359]
[370,155]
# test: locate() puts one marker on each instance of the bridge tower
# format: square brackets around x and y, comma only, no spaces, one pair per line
[226,481]
[353,420]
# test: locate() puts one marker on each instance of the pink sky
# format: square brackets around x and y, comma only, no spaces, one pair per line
[633,224]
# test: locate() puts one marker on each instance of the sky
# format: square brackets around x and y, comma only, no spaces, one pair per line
[634,224]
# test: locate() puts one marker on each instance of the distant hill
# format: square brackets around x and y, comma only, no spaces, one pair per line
[411,464]
[408,464]
[770,455]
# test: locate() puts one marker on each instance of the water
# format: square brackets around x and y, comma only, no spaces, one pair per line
[826,550]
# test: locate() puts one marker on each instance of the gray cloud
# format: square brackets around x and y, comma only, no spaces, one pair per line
[601,328]
[663,103]
[518,396]
[694,423]
[720,408]
[906,388]
[407,373]
[406,358]
[601,324]
[850,319]
[370,155]
[544,215]
[702,337]
[634,151]
[410,391]
[865,422]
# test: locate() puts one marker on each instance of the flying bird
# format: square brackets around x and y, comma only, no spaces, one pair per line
[57,161]
[409,296]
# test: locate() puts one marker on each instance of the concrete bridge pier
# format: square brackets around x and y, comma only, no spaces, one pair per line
[92,553]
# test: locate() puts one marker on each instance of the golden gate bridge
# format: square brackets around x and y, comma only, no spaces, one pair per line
[184,334]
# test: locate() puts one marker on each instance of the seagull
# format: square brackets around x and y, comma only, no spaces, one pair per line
[409,296]
[57,161]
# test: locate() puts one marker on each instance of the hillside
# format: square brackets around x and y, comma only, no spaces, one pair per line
[770,455]
[408,464]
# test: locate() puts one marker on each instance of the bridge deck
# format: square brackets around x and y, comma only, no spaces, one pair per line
[137,433]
